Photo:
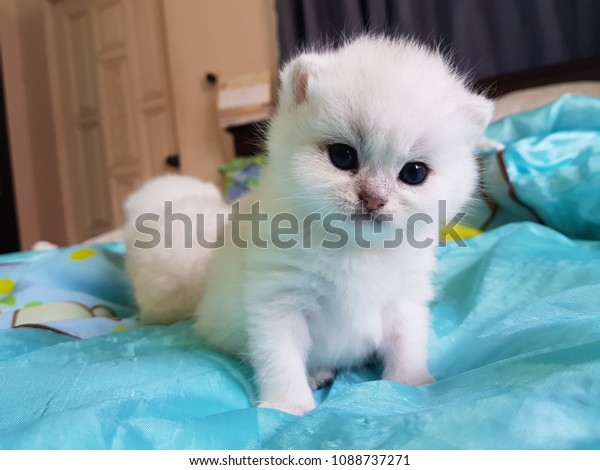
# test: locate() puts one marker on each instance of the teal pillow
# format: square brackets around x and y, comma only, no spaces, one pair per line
[551,165]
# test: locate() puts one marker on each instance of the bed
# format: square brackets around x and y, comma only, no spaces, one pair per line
[515,334]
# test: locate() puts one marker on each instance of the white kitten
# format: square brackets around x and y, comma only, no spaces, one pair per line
[379,124]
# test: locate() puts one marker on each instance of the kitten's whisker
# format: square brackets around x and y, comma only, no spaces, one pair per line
[298,206]
[297,197]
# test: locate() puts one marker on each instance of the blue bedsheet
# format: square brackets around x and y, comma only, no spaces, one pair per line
[515,349]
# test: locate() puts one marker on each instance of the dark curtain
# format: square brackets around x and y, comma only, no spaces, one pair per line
[486,37]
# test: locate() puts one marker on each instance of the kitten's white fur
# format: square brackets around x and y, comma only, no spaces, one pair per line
[168,281]
[297,313]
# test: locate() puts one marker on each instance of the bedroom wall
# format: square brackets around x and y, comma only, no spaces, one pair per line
[31,133]
[227,37]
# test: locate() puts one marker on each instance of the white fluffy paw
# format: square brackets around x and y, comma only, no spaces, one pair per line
[292,408]
[320,378]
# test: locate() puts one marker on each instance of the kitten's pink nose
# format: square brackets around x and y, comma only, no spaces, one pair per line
[372,203]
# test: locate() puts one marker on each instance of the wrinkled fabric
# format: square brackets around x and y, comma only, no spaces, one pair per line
[515,349]
[552,160]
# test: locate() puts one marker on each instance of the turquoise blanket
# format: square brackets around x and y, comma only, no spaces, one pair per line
[515,349]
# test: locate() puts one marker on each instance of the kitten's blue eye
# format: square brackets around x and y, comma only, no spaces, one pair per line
[414,173]
[343,156]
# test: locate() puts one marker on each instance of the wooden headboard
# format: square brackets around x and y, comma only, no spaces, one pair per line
[584,69]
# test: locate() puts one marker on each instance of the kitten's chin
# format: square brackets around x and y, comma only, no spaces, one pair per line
[376,218]
[371,227]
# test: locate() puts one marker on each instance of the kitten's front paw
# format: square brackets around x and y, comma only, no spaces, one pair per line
[292,408]
[409,377]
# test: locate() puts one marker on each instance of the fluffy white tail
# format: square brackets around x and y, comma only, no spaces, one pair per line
[164,260]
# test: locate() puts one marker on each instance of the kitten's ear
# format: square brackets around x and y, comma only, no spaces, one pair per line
[296,77]
[480,111]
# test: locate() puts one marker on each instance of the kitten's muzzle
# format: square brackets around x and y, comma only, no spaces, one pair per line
[371,203]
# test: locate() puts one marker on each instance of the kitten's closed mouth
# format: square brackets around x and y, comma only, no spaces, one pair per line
[376,218]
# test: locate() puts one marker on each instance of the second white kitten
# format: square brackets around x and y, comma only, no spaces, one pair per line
[379,127]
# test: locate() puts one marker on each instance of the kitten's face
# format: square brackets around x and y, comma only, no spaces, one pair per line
[380,127]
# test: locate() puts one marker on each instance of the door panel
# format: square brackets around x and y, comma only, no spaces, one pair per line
[112,103]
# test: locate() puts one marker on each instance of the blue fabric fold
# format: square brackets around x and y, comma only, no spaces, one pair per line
[552,160]
[515,348]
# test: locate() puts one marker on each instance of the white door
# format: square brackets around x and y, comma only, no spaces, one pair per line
[112,105]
